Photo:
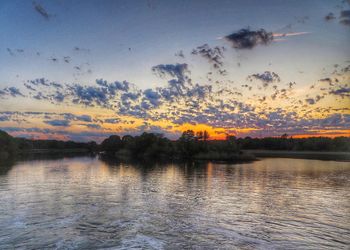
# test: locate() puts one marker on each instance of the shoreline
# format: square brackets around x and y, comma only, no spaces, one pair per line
[315,155]
[248,155]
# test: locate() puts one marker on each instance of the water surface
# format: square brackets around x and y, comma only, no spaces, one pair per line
[87,203]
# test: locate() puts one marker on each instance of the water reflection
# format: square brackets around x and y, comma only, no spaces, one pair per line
[6,165]
[88,203]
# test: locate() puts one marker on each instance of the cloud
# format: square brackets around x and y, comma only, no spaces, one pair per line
[4,118]
[199,91]
[114,86]
[313,101]
[29,87]
[101,95]
[78,49]
[53,59]
[40,9]
[330,16]
[289,34]
[40,96]
[345,22]
[13,91]
[310,101]
[178,71]
[58,97]
[342,92]
[345,17]
[179,101]
[152,97]
[267,77]
[327,80]
[248,39]
[156,130]
[10,52]
[44,82]
[51,118]
[180,54]
[213,55]
[66,59]
[291,84]
[112,120]
[85,118]
[88,95]
[58,123]
[345,14]
[176,86]
[10,91]
[72,117]
[93,126]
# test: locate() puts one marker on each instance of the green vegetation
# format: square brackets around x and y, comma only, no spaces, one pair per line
[10,146]
[190,145]
[197,146]
[147,145]
[54,145]
[338,144]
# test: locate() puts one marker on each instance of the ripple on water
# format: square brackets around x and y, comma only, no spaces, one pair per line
[85,203]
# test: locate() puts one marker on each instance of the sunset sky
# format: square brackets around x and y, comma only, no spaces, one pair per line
[83,70]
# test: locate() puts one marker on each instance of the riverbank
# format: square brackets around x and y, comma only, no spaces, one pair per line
[52,151]
[214,156]
[316,155]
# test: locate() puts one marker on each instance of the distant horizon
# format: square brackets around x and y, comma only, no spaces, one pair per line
[175,139]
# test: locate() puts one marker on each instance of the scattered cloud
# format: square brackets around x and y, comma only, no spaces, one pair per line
[213,55]
[79,49]
[10,52]
[178,71]
[92,126]
[342,92]
[248,39]
[330,16]
[10,91]
[345,17]
[4,118]
[41,10]
[72,117]
[180,54]
[58,123]
[112,120]
[266,78]
[314,100]
[66,59]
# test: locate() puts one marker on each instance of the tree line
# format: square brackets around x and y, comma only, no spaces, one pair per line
[11,146]
[199,146]
[190,145]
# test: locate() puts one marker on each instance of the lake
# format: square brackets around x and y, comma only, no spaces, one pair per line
[89,203]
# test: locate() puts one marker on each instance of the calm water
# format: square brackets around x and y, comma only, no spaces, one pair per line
[86,203]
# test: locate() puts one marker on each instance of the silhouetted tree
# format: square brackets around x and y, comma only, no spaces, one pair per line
[7,145]
[187,144]
[111,144]
[205,135]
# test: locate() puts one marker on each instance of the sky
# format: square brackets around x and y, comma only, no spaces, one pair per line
[84,70]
